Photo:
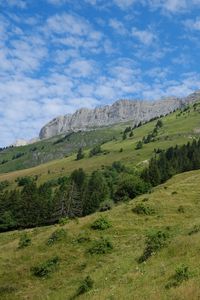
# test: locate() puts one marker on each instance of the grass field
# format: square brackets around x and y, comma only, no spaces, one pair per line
[178,129]
[116,275]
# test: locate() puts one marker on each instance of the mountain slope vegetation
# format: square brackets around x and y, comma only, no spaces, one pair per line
[54,262]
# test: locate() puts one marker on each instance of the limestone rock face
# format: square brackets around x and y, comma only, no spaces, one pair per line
[120,111]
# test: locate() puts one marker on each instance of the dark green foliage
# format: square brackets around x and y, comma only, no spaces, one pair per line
[85,286]
[130,186]
[159,124]
[128,129]
[101,223]
[80,154]
[181,274]
[173,161]
[124,137]
[106,205]
[7,221]
[142,209]
[118,166]
[56,236]
[139,145]
[95,151]
[4,161]
[24,241]
[46,268]
[96,192]
[63,221]
[83,238]
[155,241]
[78,177]
[63,180]
[7,289]
[131,134]
[194,230]
[22,181]
[101,246]
[17,155]
[4,184]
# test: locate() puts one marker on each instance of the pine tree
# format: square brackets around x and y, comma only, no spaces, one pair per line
[80,154]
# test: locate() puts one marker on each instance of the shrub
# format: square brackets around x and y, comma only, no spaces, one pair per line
[101,224]
[155,241]
[181,209]
[106,205]
[130,186]
[22,181]
[82,238]
[47,267]
[95,151]
[139,145]
[194,230]
[101,246]
[86,285]
[7,289]
[63,221]
[24,241]
[56,236]
[142,209]
[181,274]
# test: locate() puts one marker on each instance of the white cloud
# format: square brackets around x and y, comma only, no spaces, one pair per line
[193,24]
[124,4]
[174,6]
[17,3]
[147,37]
[118,26]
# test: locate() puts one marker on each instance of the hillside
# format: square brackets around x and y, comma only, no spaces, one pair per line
[116,274]
[57,147]
[178,128]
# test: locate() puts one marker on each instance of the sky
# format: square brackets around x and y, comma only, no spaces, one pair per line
[60,55]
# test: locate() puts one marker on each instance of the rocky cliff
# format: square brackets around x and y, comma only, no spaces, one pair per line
[120,111]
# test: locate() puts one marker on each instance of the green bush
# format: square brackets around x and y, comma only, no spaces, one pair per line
[56,236]
[47,267]
[106,205]
[142,209]
[101,223]
[101,246]
[86,285]
[83,237]
[139,145]
[181,274]
[95,151]
[129,187]
[24,241]
[63,221]
[155,241]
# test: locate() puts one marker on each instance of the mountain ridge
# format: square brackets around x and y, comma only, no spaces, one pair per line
[120,111]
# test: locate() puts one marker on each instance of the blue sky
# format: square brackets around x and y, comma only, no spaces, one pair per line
[60,55]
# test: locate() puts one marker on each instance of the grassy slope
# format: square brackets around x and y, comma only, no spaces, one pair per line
[176,130]
[116,275]
[56,147]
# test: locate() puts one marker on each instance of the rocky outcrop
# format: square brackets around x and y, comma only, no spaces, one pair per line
[120,111]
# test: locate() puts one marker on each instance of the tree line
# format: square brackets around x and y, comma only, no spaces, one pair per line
[173,161]
[81,194]
[78,195]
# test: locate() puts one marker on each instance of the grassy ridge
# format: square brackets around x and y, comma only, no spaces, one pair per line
[178,129]
[116,275]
